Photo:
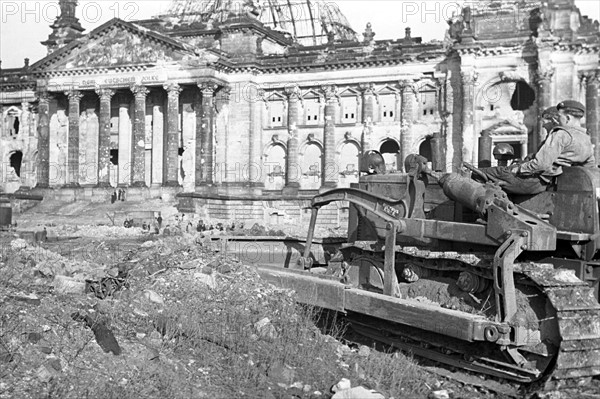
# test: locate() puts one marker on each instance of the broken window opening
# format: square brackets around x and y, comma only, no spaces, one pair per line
[523,97]
[114,157]
[15,162]
[16,125]
[425,148]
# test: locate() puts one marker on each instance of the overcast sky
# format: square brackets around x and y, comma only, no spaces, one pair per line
[25,23]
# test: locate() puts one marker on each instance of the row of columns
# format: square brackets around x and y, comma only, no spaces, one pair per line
[204,136]
[591,80]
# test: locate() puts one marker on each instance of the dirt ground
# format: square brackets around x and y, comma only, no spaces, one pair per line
[103,311]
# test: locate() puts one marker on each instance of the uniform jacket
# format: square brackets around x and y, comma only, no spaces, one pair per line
[564,146]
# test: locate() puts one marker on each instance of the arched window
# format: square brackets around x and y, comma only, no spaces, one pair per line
[310,165]
[349,164]
[16,159]
[274,168]
[389,150]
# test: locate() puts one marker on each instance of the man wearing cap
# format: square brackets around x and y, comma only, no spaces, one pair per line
[566,145]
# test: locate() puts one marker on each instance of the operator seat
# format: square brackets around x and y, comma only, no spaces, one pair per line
[570,202]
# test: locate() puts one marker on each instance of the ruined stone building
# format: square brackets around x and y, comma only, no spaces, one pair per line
[239,110]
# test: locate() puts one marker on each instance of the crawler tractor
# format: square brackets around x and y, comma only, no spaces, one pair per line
[457,271]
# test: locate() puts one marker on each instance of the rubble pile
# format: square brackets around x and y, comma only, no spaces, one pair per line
[169,316]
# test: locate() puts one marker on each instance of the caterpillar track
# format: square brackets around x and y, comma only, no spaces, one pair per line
[461,274]
[572,350]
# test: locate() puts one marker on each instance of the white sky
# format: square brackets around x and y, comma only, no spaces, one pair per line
[25,23]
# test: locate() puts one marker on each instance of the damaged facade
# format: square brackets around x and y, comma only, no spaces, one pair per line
[241,110]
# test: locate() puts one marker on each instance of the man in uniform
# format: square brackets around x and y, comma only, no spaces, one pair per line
[566,145]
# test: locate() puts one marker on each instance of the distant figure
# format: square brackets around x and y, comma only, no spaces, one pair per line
[159,219]
[113,197]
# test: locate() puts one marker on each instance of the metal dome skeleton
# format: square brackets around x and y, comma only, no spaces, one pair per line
[309,22]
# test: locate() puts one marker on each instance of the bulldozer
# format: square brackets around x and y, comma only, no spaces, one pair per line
[458,271]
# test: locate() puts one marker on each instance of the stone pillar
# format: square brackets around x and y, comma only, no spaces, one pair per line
[409,92]
[43,160]
[523,149]
[368,109]
[592,105]
[437,163]
[104,137]
[485,150]
[158,139]
[543,81]
[25,127]
[292,177]
[2,121]
[172,152]
[204,142]
[330,167]
[125,145]
[469,78]
[138,146]
[73,138]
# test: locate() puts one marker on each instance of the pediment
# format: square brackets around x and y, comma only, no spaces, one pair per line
[116,43]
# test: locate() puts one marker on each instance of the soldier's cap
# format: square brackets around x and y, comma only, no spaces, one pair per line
[570,105]
[550,111]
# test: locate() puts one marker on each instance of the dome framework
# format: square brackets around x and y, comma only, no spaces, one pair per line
[309,22]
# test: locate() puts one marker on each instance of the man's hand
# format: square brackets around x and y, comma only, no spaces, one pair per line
[514,168]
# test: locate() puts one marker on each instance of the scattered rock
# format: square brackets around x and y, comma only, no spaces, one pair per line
[34,337]
[153,297]
[265,329]
[19,243]
[192,264]
[281,373]
[206,279]
[342,385]
[55,364]
[45,350]
[68,285]
[46,372]
[358,393]
[441,394]
[104,337]
[148,244]
[31,299]
[364,351]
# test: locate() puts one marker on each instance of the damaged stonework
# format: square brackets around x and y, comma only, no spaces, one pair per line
[18,146]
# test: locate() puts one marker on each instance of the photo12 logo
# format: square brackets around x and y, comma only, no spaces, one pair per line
[48,11]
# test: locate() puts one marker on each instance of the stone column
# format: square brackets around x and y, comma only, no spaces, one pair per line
[469,78]
[409,91]
[592,105]
[138,145]
[437,163]
[172,152]
[292,178]
[26,129]
[158,139]
[485,150]
[25,119]
[543,81]
[104,137]
[2,121]
[43,159]
[368,110]
[205,139]
[73,139]
[330,167]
